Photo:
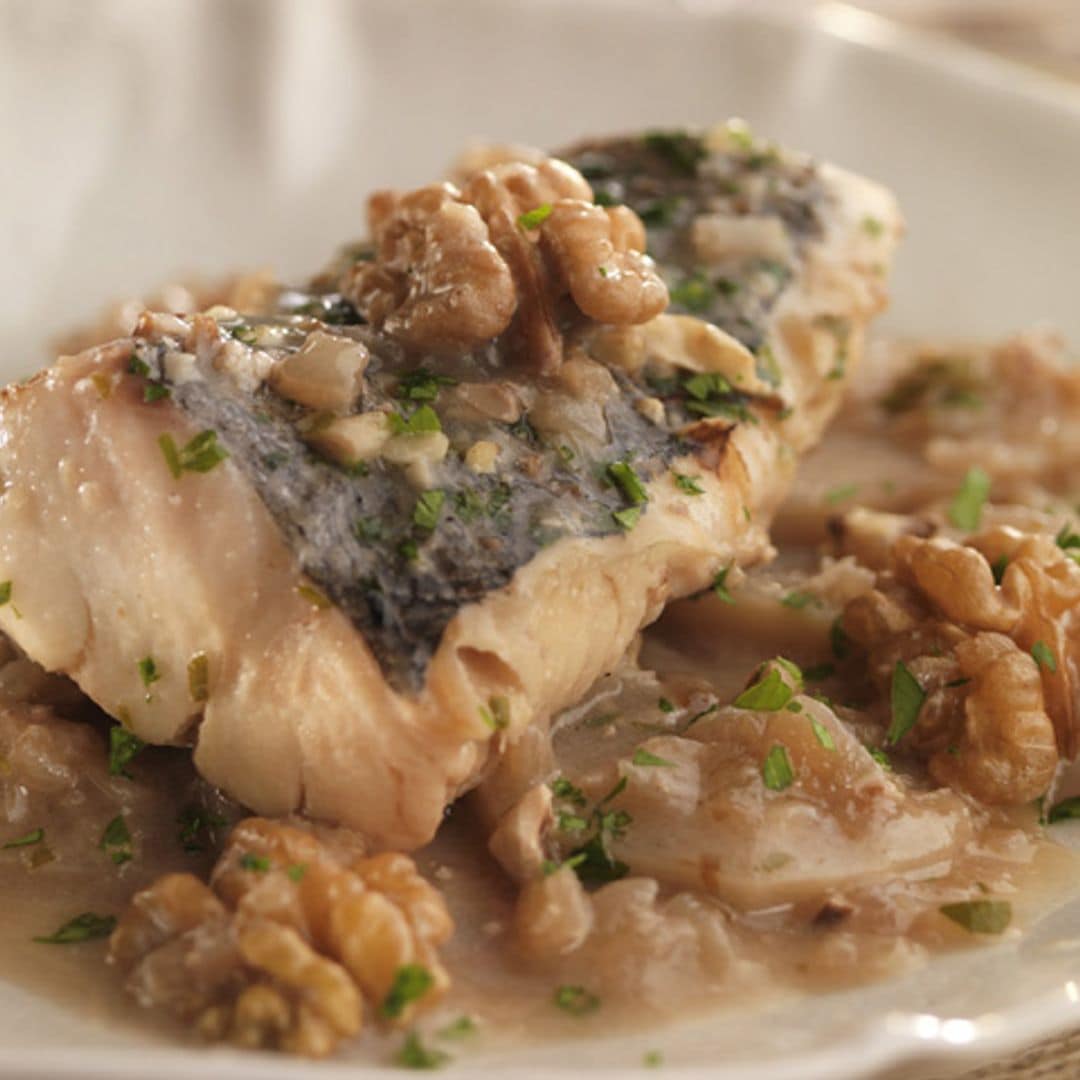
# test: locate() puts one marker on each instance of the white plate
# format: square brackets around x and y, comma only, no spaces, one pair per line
[144,139]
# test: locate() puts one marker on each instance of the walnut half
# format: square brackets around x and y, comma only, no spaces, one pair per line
[287,943]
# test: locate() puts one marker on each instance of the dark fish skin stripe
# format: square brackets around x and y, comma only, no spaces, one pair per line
[402,607]
[348,531]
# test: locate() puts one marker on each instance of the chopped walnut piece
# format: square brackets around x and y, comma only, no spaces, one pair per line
[284,945]
[437,282]
[988,630]
[454,269]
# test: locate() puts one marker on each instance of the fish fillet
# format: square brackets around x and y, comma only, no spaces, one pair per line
[358,639]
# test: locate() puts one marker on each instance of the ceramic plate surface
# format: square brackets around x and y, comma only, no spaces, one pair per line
[144,139]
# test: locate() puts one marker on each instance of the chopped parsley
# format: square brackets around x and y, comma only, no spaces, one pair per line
[423,420]
[245,334]
[659,211]
[1066,810]
[562,788]
[1044,656]
[198,677]
[369,530]
[628,482]
[196,822]
[124,746]
[653,1059]
[769,694]
[136,366]
[155,391]
[626,519]
[682,151]
[705,385]
[965,510]
[460,1028]
[256,864]
[835,496]
[414,1055]
[644,758]
[533,219]
[592,861]
[710,394]
[980,916]
[695,293]
[799,600]
[148,673]
[906,698]
[116,841]
[576,1000]
[296,872]
[998,568]
[428,506]
[719,585]
[422,385]
[5,592]
[767,366]
[665,705]
[199,455]
[822,734]
[26,840]
[776,770]
[572,822]
[819,672]
[880,757]
[315,597]
[84,927]
[872,226]
[496,714]
[688,484]
[548,867]
[411,982]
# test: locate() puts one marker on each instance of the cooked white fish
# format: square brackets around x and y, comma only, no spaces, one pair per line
[351,551]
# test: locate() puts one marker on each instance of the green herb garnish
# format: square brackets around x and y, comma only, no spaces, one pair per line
[1044,656]
[200,454]
[872,226]
[424,420]
[822,734]
[84,927]
[681,150]
[837,495]
[576,1000]
[965,510]
[116,841]
[5,592]
[628,518]
[411,982]
[628,482]
[194,821]
[148,672]
[719,585]
[799,600]
[769,694]
[776,770]
[256,864]
[198,677]
[428,506]
[561,788]
[644,758]
[998,568]
[906,697]
[695,293]
[27,840]
[414,1055]
[422,385]
[315,597]
[124,746]
[665,705]
[460,1028]
[980,916]
[688,484]
[533,219]
[496,714]
[1066,810]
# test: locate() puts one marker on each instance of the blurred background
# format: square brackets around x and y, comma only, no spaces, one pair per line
[143,140]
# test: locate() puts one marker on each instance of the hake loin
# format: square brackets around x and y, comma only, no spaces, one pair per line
[349,550]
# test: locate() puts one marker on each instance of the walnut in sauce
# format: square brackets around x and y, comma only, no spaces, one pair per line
[295,944]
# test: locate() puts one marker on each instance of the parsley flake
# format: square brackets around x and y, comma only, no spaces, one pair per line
[84,927]
[965,510]
[576,1000]
[998,568]
[980,916]
[665,705]
[719,585]
[460,1028]
[148,672]
[688,485]
[561,788]
[296,872]
[5,592]
[124,746]
[906,697]
[422,385]
[411,982]
[628,482]
[1066,810]
[533,219]
[428,506]
[116,841]
[628,518]
[414,1055]
[199,455]
[682,151]
[27,840]
[644,758]
[840,494]
[1044,656]
[424,420]
[776,770]
[497,713]
[198,677]
[822,734]
[256,864]
[769,694]
[799,600]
